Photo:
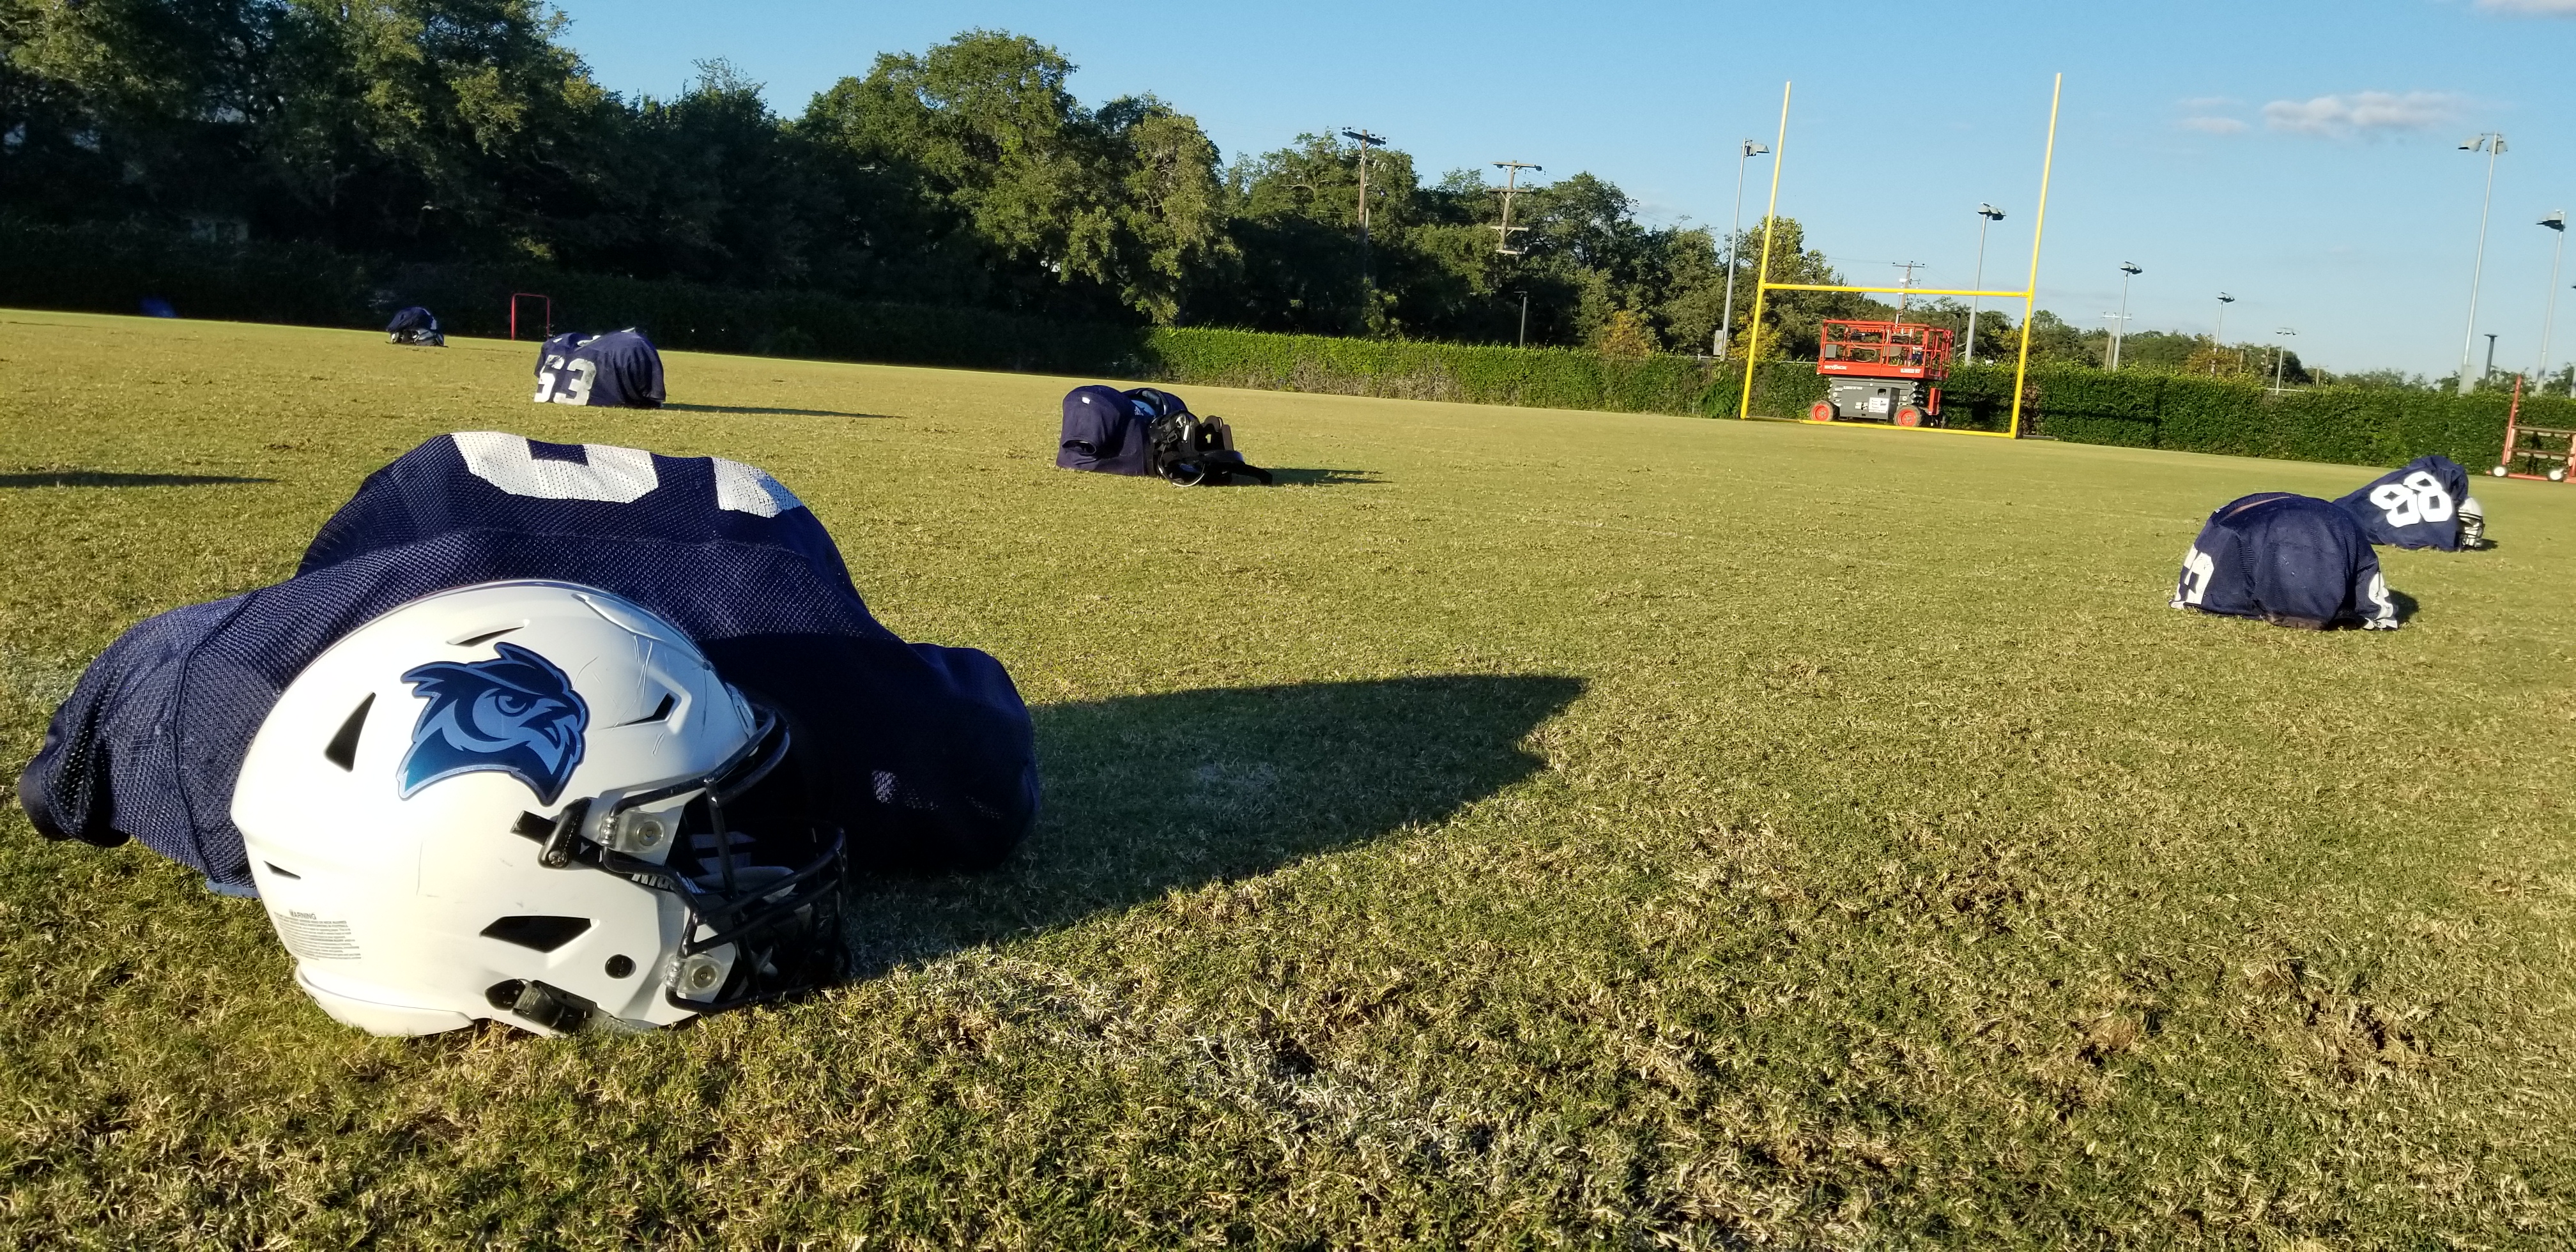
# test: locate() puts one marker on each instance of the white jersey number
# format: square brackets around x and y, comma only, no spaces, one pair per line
[609,474]
[2197,566]
[2418,498]
[575,389]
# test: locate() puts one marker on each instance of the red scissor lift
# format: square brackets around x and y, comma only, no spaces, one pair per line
[1882,372]
[2534,451]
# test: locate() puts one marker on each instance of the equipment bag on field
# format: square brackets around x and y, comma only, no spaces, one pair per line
[1149,431]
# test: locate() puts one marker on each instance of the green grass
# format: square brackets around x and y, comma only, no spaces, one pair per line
[1519,828]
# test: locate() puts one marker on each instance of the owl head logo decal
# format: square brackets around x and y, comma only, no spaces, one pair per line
[515,713]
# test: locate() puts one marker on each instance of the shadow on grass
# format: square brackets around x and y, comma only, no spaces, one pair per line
[106,478]
[1150,793]
[1322,477]
[763,408]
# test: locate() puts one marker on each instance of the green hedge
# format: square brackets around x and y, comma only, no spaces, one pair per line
[2346,425]
[112,269]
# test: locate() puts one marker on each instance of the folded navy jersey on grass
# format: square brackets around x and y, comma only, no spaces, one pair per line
[2291,560]
[415,325]
[2415,505]
[1106,430]
[923,754]
[620,368]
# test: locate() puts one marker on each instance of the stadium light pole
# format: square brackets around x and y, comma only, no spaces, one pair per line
[2276,358]
[2128,270]
[1734,231]
[2491,143]
[2218,337]
[1987,215]
[2549,320]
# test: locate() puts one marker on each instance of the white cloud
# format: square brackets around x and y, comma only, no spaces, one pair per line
[2368,112]
[2531,8]
[2212,125]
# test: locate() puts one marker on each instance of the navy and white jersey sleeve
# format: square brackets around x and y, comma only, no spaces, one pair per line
[924,755]
[2290,560]
[2415,505]
[618,369]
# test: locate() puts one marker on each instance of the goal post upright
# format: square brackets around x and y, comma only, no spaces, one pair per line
[2038,225]
[1762,276]
[2028,294]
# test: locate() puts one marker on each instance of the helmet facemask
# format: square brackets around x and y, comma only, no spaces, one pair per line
[749,873]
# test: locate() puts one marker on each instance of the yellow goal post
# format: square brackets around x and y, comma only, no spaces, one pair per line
[2028,295]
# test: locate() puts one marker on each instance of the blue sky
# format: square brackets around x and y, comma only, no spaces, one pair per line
[2300,155]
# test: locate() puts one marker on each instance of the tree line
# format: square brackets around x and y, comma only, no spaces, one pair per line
[967,174]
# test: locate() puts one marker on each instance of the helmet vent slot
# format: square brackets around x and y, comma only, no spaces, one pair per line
[484,637]
[281,871]
[660,711]
[343,748]
[541,933]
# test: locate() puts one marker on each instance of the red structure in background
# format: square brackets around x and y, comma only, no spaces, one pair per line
[2527,450]
[1882,371]
[516,297]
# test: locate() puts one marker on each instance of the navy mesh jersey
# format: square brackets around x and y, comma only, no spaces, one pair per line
[619,368]
[923,754]
[2290,560]
[2415,505]
[1106,430]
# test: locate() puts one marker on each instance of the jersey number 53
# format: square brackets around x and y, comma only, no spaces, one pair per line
[575,388]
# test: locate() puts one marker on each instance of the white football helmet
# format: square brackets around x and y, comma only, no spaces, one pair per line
[2473,523]
[503,802]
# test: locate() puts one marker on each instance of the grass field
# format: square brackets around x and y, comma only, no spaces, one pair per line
[1518,828]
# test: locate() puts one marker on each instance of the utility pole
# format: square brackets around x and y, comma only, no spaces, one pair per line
[2218,338]
[2556,222]
[1987,215]
[1909,267]
[2490,370]
[1511,174]
[1523,342]
[2276,358]
[2491,143]
[2112,324]
[1367,285]
[1734,231]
